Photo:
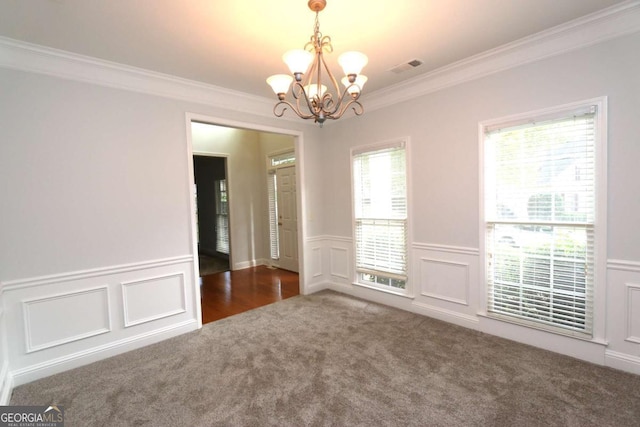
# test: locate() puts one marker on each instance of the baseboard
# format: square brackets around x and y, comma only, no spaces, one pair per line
[6,385]
[622,361]
[248,264]
[449,316]
[75,360]
[316,287]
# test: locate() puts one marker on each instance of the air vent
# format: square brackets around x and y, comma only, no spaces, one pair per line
[410,65]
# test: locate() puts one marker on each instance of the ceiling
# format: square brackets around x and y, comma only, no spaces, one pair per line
[236,44]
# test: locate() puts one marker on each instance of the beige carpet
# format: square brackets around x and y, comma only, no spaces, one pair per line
[331,360]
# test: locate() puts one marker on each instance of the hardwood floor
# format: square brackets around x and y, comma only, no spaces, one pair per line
[232,292]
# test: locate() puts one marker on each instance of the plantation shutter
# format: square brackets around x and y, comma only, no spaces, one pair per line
[273,215]
[380,208]
[222,217]
[540,218]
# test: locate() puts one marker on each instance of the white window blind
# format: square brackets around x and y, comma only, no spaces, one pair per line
[380,210]
[540,209]
[273,215]
[222,217]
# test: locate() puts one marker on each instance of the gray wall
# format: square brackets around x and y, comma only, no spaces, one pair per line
[443,128]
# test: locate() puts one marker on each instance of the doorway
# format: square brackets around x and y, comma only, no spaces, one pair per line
[246,151]
[212,213]
[285,238]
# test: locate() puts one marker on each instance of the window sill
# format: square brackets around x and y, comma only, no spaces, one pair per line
[568,334]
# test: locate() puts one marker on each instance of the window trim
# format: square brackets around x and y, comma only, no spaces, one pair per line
[600,220]
[408,291]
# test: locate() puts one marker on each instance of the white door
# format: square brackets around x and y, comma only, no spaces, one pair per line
[287,218]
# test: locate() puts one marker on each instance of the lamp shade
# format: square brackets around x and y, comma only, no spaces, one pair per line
[356,86]
[280,83]
[312,90]
[352,62]
[298,60]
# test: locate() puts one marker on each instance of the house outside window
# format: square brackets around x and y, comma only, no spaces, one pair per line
[380,216]
[544,209]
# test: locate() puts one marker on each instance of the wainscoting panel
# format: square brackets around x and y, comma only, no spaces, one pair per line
[623,315]
[170,298]
[445,280]
[316,262]
[315,274]
[340,260]
[62,321]
[78,315]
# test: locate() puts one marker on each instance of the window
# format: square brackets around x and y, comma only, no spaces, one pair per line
[222,217]
[380,216]
[284,159]
[540,210]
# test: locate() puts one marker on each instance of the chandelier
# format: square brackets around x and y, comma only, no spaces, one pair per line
[312,98]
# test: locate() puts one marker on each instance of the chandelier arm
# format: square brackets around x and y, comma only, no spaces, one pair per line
[355,105]
[327,106]
[287,105]
[304,96]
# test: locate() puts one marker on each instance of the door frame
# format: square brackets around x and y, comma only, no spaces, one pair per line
[298,148]
[229,198]
[280,240]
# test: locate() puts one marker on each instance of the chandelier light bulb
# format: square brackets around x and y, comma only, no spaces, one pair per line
[280,84]
[352,63]
[298,61]
[355,87]
[312,90]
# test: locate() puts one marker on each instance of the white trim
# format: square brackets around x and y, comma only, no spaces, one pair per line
[622,361]
[23,56]
[623,265]
[607,24]
[93,354]
[445,315]
[631,287]
[249,264]
[598,27]
[6,384]
[301,199]
[462,250]
[337,239]
[320,239]
[95,272]
[30,348]
[123,285]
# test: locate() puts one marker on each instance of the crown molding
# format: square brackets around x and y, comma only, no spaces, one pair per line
[23,56]
[595,28]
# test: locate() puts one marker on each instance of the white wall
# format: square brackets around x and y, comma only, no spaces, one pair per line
[96,256]
[443,132]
